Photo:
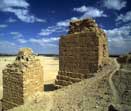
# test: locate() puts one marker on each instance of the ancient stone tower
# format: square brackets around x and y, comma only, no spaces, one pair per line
[82,52]
[21,79]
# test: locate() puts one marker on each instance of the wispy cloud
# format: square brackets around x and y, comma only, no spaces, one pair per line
[60,26]
[19,37]
[19,8]
[45,41]
[90,12]
[65,23]
[48,31]
[16,34]
[124,18]
[52,29]
[21,40]
[11,20]
[115,4]
[6,43]
[40,20]
[3,26]
[13,3]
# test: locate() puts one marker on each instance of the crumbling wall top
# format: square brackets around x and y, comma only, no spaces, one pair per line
[88,24]
[25,59]
[25,52]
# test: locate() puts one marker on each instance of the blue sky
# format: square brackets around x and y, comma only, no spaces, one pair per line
[39,24]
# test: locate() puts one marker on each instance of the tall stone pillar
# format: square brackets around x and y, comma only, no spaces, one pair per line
[82,52]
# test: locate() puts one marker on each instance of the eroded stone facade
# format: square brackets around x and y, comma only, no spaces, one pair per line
[82,52]
[21,79]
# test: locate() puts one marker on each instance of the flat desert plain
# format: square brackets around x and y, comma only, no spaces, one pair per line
[50,68]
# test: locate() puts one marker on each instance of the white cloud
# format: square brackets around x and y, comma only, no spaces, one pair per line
[47,31]
[66,22]
[16,35]
[20,9]
[124,18]
[13,3]
[40,20]
[115,4]
[63,23]
[3,25]
[81,9]
[90,12]
[119,39]
[45,41]
[60,26]
[119,33]
[52,29]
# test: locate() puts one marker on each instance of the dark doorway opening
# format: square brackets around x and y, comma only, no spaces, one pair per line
[49,87]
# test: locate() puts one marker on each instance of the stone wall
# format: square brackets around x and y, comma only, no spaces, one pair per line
[21,79]
[82,51]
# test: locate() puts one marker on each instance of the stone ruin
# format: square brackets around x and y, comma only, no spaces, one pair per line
[82,52]
[21,79]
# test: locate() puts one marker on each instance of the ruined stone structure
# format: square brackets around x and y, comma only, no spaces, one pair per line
[21,79]
[83,51]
